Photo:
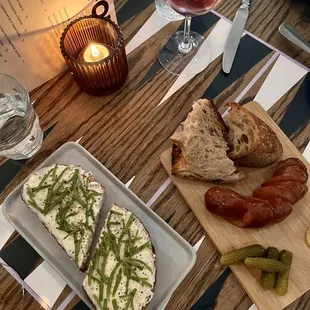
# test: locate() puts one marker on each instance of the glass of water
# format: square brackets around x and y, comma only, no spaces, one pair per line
[165,11]
[20,133]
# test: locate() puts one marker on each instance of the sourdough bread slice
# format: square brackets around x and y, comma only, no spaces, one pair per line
[200,150]
[122,273]
[251,142]
[68,201]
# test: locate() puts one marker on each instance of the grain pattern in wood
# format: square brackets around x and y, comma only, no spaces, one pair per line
[265,18]
[301,303]
[207,269]
[73,302]
[148,180]
[59,100]
[131,26]
[66,291]
[12,296]
[289,234]
[301,138]
[233,91]
[232,293]
[179,216]
[119,4]
[278,110]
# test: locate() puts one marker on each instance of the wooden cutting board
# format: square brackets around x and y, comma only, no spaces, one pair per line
[290,234]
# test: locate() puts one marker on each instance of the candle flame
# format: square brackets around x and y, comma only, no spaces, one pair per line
[95,51]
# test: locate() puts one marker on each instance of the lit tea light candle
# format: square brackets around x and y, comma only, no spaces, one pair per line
[94,53]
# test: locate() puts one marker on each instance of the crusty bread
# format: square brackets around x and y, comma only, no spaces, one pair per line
[75,213]
[200,150]
[251,142]
[122,225]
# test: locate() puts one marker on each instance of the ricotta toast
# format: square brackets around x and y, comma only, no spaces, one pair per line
[122,273]
[67,200]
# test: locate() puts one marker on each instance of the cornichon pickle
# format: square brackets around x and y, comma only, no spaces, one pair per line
[236,256]
[268,279]
[265,264]
[286,257]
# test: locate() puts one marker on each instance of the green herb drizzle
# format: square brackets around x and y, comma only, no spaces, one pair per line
[63,194]
[126,262]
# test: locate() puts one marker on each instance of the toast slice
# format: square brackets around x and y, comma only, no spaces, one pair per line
[252,142]
[68,201]
[122,273]
[199,148]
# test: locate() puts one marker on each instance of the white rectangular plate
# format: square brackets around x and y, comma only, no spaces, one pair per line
[174,256]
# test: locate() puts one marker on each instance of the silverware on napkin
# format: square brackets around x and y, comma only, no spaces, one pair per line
[290,33]
[235,35]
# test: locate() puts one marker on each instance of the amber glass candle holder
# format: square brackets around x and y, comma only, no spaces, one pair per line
[93,48]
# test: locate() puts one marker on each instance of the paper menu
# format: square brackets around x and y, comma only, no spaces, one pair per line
[30,31]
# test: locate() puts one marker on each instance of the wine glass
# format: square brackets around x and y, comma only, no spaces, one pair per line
[187,46]
[165,11]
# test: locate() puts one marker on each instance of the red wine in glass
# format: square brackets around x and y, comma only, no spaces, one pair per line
[193,7]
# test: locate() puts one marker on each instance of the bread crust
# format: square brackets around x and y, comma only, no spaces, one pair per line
[153,250]
[143,308]
[180,166]
[265,148]
[85,262]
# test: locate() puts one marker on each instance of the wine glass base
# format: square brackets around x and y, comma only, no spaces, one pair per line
[185,64]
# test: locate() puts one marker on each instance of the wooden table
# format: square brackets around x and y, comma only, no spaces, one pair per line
[127,132]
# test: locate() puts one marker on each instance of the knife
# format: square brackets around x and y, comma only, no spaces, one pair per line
[235,35]
[290,33]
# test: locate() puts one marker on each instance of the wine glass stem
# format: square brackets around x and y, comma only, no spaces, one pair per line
[186,45]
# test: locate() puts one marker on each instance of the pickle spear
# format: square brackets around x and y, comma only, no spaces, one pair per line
[236,256]
[281,287]
[266,264]
[268,279]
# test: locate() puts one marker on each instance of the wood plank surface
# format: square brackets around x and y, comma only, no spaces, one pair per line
[265,18]
[290,234]
[127,131]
